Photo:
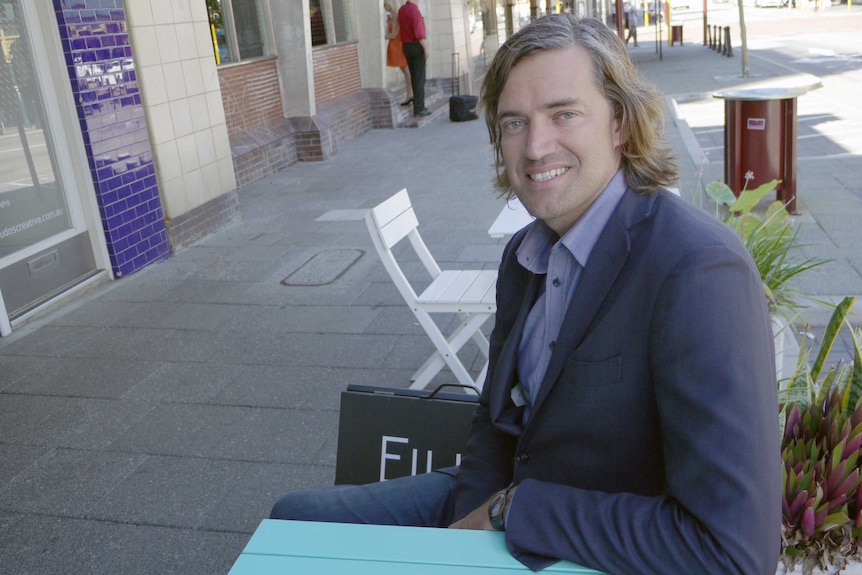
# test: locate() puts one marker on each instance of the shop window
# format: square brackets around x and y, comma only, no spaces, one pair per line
[331,21]
[240,29]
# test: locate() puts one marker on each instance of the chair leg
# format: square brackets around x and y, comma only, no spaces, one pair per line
[436,362]
[433,365]
[427,372]
[480,381]
[479,338]
[469,329]
[447,349]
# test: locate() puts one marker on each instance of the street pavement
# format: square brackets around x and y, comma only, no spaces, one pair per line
[148,425]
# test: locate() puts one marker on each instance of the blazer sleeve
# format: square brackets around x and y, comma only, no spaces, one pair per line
[711,360]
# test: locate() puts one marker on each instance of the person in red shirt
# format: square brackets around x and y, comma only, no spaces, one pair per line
[413,38]
[394,50]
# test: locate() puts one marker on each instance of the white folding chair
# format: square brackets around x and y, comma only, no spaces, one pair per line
[469,293]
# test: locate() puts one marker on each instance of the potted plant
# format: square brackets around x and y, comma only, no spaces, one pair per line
[771,240]
[820,410]
[821,452]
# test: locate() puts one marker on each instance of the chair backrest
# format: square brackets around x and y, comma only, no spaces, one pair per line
[390,222]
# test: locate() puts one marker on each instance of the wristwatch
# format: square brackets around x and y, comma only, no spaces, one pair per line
[497,510]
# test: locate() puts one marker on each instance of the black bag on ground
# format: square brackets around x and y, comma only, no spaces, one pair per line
[461,108]
[384,433]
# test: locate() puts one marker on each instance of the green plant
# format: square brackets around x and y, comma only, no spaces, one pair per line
[821,454]
[215,13]
[771,240]
[820,410]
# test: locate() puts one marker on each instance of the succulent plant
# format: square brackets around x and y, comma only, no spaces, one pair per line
[821,454]
[820,410]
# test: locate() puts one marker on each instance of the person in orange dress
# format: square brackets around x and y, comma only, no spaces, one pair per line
[394,51]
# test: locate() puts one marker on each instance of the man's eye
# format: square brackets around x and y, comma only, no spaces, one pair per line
[512,125]
[566,115]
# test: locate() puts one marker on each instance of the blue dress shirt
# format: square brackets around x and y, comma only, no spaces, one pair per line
[560,260]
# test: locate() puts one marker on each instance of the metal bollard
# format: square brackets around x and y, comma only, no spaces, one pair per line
[728,49]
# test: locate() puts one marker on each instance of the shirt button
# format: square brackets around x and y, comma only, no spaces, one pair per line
[523,458]
[557,282]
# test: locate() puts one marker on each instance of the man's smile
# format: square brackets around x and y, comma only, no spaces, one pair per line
[547,175]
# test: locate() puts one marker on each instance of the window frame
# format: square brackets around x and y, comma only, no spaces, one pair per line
[348,8]
[232,38]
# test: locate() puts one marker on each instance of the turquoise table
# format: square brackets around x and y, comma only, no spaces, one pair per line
[299,548]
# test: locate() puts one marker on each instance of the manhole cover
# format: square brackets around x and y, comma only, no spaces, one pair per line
[324,268]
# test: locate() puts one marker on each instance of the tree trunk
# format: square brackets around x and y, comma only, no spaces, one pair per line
[743,35]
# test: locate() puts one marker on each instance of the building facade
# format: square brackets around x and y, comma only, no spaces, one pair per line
[128,126]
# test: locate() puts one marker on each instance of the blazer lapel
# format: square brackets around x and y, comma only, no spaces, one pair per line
[606,260]
[503,411]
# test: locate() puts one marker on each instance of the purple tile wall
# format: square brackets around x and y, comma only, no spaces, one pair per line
[101,68]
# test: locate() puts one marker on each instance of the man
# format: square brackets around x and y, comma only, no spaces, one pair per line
[413,39]
[633,20]
[628,420]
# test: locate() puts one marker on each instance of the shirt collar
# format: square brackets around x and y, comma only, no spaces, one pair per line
[535,249]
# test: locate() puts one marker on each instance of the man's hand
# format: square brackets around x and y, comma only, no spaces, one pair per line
[478,519]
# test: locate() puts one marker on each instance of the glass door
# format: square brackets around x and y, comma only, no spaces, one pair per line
[45,247]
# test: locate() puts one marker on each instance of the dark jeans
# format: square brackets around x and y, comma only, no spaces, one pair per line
[425,500]
[415,55]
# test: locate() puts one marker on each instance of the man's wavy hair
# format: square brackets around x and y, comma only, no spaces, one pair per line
[647,158]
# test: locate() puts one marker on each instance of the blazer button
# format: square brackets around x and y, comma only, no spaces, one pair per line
[523,457]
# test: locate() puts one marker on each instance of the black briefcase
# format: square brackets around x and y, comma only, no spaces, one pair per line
[461,107]
[384,433]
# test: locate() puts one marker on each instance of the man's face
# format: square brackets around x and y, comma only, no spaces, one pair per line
[559,139]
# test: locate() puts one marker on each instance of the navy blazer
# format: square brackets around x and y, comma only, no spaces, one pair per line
[653,444]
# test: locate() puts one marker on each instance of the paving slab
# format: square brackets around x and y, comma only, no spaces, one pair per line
[67,482]
[48,544]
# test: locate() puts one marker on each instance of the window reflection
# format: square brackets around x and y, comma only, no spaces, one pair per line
[32,206]
[331,22]
[239,29]
[318,26]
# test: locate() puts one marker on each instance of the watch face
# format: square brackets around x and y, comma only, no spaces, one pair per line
[497,504]
[495,511]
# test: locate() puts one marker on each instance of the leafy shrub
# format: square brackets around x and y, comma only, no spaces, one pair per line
[770,240]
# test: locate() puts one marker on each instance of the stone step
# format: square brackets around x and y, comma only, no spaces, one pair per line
[435,101]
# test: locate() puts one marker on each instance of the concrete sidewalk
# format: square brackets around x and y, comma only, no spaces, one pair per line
[148,426]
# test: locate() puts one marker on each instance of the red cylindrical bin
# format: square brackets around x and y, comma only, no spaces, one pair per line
[760,139]
[676,34]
